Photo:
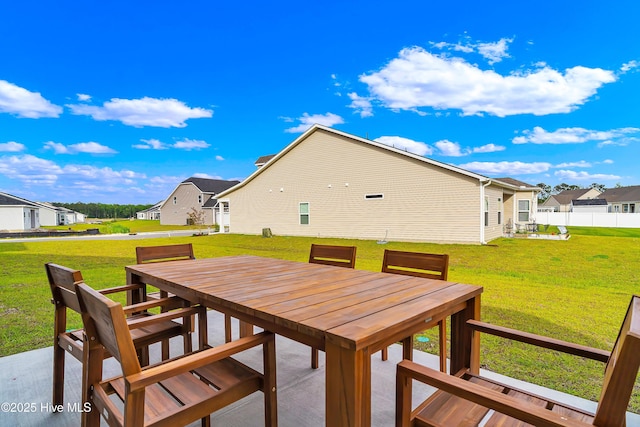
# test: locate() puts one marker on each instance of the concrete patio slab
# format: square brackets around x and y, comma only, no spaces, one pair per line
[25,385]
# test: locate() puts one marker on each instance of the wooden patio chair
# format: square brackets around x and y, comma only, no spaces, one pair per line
[338,256]
[62,281]
[174,392]
[430,266]
[466,399]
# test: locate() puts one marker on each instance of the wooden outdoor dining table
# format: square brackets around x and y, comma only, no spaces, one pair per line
[350,314]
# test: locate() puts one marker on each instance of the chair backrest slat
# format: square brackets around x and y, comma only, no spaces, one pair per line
[62,281]
[430,266]
[339,256]
[621,371]
[164,253]
[104,320]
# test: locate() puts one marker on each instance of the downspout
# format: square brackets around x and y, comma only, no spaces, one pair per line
[482,187]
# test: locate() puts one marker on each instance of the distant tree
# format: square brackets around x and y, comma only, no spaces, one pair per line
[545,193]
[599,187]
[563,187]
[618,185]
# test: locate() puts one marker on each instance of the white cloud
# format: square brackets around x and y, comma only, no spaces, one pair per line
[361,104]
[82,147]
[151,144]
[448,148]
[191,144]
[416,147]
[206,175]
[83,97]
[580,164]
[417,78]
[23,103]
[146,111]
[507,168]
[30,170]
[219,158]
[12,147]
[573,136]
[583,176]
[308,120]
[607,161]
[628,66]
[489,148]
[496,51]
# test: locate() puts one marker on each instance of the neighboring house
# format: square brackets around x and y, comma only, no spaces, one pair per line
[561,202]
[57,215]
[329,183]
[18,214]
[623,199]
[150,213]
[193,193]
[589,206]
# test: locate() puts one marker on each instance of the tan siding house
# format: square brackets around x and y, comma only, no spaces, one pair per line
[331,184]
[193,193]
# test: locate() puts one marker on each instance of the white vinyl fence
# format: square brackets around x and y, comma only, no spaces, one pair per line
[584,219]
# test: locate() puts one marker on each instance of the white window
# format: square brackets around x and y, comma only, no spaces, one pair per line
[499,211]
[523,210]
[625,208]
[486,211]
[304,213]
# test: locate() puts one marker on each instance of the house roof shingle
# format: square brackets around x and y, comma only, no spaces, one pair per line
[9,200]
[622,194]
[515,182]
[264,159]
[208,185]
[565,197]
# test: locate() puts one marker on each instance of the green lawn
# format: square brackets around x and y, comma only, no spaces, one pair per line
[133,226]
[576,290]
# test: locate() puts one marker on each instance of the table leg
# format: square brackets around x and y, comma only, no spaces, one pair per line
[348,387]
[465,345]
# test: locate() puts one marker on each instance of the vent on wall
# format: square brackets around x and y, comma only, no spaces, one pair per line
[374,196]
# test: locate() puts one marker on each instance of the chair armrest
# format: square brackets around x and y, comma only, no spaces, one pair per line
[540,341]
[505,404]
[167,315]
[193,361]
[169,303]
[125,288]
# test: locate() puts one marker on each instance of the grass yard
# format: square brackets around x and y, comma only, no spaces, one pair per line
[116,226]
[576,290]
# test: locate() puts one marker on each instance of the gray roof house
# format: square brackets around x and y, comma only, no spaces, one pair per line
[18,214]
[561,202]
[193,193]
[329,183]
[623,199]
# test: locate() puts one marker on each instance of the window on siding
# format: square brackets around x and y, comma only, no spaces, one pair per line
[625,208]
[199,199]
[523,210]
[486,211]
[499,211]
[175,200]
[304,213]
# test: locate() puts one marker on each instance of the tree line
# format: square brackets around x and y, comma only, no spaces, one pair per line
[104,210]
[548,191]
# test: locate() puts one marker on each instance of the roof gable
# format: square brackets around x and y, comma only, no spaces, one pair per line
[320,128]
[565,197]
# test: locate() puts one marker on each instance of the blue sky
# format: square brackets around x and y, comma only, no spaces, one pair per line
[117,102]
